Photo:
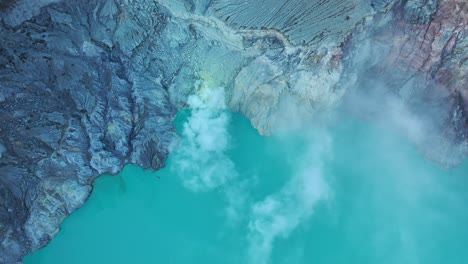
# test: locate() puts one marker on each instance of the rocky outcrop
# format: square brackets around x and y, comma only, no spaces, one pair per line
[79,97]
[89,86]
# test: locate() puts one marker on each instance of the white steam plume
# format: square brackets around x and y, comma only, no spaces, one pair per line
[281,213]
[200,160]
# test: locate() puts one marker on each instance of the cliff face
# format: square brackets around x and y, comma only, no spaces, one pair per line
[89,86]
[80,96]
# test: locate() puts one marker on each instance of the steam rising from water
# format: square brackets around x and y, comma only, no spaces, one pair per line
[282,212]
[383,202]
[203,165]
[201,159]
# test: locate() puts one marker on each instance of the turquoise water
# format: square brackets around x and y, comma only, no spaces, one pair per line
[351,193]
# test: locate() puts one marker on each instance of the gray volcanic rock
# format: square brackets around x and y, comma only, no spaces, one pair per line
[301,21]
[89,86]
[75,103]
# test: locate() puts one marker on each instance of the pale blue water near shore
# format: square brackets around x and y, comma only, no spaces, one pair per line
[352,193]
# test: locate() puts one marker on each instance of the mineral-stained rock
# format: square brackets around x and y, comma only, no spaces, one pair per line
[89,86]
[418,53]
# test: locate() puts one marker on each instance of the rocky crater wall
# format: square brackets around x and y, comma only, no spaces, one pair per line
[89,86]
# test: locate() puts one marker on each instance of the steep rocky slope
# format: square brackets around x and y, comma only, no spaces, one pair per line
[89,86]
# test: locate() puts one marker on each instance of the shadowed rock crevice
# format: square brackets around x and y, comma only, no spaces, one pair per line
[6,4]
